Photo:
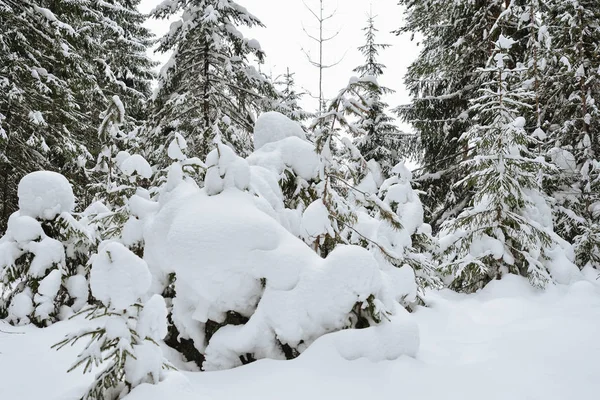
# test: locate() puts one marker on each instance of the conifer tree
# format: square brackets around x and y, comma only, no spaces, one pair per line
[116,177]
[442,82]
[62,63]
[496,233]
[382,139]
[290,97]
[572,92]
[45,252]
[210,77]
[40,116]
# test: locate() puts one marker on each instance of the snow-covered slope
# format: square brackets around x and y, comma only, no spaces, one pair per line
[508,341]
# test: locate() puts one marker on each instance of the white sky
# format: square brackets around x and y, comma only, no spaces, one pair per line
[283,40]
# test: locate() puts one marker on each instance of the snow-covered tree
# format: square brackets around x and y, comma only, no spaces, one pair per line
[496,233]
[62,63]
[44,254]
[120,55]
[238,320]
[572,92]
[382,141]
[40,115]
[210,78]
[116,178]
[125,340]
[290,97]
[442,81]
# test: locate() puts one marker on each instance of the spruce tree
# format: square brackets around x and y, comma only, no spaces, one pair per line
[40,115]
[382,139]
[290,97]
[572,92]
[210,78]
[61,64]
[496,233]
[442,82]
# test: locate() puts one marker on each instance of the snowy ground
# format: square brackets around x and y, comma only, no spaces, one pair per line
[506,342]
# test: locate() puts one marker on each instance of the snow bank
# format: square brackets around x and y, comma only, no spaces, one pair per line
[44,195]
[272,127]
[389,341]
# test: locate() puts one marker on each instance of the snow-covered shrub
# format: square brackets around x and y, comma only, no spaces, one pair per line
[245,285]
[43,253]
[125,339]
[394,230]
[117,176]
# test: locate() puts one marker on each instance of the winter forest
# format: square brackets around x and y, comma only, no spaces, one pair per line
[209,228]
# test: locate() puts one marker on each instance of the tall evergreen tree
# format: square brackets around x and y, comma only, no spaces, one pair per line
[572,93]
[442,82]
[382,139]
[40,115]
[497,232]
[124,68]
[61,64]
[210,78]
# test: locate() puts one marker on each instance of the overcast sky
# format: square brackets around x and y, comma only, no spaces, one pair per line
[283,40]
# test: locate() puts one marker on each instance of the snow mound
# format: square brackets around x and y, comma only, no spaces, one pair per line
[272,127]
[388,341]
[118,277]
[44,195]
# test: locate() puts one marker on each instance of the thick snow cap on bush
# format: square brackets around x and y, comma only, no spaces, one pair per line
[45,194]
[272,127]
[23,228]
[118,277]
[229,255]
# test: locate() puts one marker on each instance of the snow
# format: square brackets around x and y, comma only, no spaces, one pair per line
[272,127]
[147,362]
[50,284]
[24,229]
[509,340]
[225,170]
[118,277]
[315,220]
[133,232]
[389,341]
[176,147]
[21,307]
[47,253]
[152,321]
[288,153]
[136,164]
[77,286]
[44,195]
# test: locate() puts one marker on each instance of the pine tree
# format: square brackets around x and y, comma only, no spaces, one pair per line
[62,63]
[290,97]
[45,252]
[125,339]
[496,233]
[116,177]
[127,68]
[40,116]
[572,92]
[382,139]
[442,82]
[210,78]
